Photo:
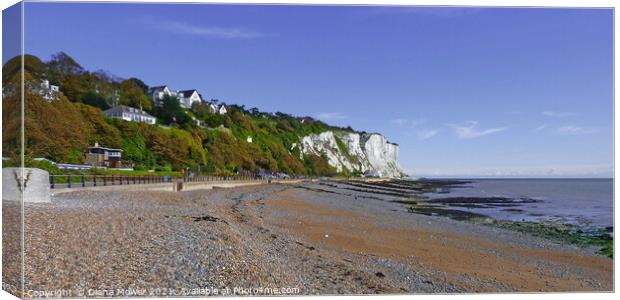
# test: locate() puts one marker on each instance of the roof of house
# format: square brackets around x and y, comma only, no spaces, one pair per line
[106,148]
[128,109]
[188,93]
[157,88]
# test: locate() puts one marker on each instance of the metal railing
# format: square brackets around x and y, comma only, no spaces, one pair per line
[201,178]
[77,181]
[74,181]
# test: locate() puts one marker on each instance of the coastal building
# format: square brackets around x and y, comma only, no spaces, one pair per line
[222,110]
[48,91]
[212,106]
[98,156]
[189,97]
[216,108]
[157,93]
[129,114]
[304,120]
[186,98]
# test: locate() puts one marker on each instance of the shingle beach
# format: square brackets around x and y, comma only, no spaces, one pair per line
[303,238]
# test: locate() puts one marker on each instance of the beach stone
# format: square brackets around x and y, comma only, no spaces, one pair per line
[36,187]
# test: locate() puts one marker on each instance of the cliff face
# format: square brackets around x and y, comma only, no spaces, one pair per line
[355,152]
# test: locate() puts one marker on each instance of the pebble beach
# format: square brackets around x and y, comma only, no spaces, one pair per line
[309,238]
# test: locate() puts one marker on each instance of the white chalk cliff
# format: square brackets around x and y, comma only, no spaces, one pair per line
[355,152]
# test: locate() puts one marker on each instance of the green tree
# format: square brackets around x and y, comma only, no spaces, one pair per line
[135,151]
[106,85]
[140,83]
[171,111]
[201,110]
[32,65]
[71,86]
[132,94]
[96,100]
[62,65]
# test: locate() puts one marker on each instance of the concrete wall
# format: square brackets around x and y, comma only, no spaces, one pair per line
[36,185]
[171,187]
[165,187]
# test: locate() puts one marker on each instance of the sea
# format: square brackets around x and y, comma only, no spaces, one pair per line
[585,203]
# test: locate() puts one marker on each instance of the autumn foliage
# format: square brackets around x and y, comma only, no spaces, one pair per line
[62,129]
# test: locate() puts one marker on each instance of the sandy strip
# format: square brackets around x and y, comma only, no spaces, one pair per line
[516,267]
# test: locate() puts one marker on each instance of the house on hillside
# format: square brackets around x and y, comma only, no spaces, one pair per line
[186,98]
[213,107]
[189,97]
[304,120]
[48,91]
[98,156]
[217,108]
[222,110]
[129,114]
[157,93]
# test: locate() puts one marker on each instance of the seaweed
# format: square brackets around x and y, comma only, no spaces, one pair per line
[455,214]
[566,233]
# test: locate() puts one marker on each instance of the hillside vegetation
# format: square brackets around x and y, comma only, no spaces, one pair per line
[62,129]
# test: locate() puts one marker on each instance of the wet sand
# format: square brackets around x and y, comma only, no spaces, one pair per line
[309,238]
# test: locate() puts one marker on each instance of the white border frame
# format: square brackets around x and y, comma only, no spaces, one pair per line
[493,3]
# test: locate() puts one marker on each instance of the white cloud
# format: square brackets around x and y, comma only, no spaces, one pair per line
[574,130]
[331,116]
[427,134]
[541,127]
[550,113]
[469,131]
[444,12]
[206,31]
[407,122]
[400,122]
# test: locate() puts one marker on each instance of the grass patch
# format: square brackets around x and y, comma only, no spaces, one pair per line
[345,151]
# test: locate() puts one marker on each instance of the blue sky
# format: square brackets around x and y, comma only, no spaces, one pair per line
[465,91]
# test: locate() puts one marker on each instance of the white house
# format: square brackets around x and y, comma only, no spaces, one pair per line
[222,110]
[217,109]
[48,91]
[157,93]
[186,98]
[129,114]
[189,97]
[213,107]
